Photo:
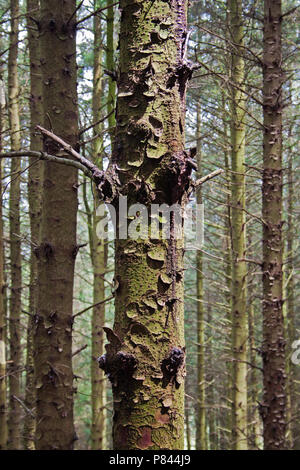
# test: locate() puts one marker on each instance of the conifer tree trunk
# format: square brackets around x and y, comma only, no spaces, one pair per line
[274,402]
[57,251]
[110,65]
[14,432]
[254,431]
[99,256]
[228,260]
[201,412]
[239,268]
[3,404]
[146,355]
[290,305]
[34,199]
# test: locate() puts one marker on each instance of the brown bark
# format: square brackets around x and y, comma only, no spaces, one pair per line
[274,401]
[57,252]
[34,199]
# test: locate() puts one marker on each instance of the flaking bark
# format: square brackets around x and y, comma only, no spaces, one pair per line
[146,355]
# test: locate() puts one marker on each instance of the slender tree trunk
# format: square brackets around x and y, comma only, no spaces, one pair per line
[34,199]
[254,431]
[228,261]
[110,65]
[146,355]
[290,307]
[274,402]
[210,400]
[14,418]
[239,268]
[187,426]
[3,404]
[57,251]
[201,412]
[98,259]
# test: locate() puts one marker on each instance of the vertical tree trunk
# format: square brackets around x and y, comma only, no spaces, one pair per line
[290,308]
[201,412]
[228,262]
[3,404]
[98,252]
[14,434]
[254,431]
[34,199]
[210,400]
[146,355]
[57,251]
[239,268]
[274,403]
[110,65]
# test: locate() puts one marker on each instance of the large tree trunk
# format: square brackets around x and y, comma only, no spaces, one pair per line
[98,256]
[239,268]
[14,434]
[57,251]
[146,355]
[34,199]
[274,403]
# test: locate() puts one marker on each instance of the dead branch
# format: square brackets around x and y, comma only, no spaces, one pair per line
[46,156]
[208,177]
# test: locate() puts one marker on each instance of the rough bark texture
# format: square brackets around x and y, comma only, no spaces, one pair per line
[239,268]
[98,253]
[274,401]
[57,252]
[34,199]
[201,413]
[14,432]
[146,355]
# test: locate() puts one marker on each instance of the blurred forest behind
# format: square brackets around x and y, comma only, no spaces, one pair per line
[241,289]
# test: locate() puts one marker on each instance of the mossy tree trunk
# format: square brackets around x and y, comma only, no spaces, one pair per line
[274,401]
[14,417]
[239,268]
[34,199]
[146,355]
[57,250]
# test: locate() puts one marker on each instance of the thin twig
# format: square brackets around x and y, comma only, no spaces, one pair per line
[208,177]
[46,156]
[69,149]
[94,305]
[96,12]
[79,350]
